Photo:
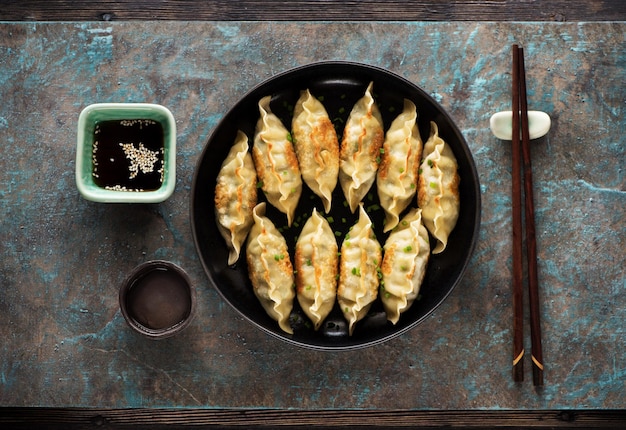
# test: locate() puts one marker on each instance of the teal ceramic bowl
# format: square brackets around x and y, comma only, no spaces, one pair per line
[119,145]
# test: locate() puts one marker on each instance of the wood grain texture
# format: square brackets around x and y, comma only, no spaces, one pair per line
[230,419]
[313,10]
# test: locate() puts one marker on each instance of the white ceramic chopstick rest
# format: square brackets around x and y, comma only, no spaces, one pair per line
[501,124]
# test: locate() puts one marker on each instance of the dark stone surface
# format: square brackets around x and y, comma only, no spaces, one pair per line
[64,340]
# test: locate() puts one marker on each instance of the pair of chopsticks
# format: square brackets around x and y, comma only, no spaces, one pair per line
[520,123]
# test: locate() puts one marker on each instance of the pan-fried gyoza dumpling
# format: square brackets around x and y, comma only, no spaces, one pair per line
[317,147]
[316,268]
[360,149]
[397,174]
[270,269]
[236,196]
[358,270]
[276,162]
[404,265]
[438,189]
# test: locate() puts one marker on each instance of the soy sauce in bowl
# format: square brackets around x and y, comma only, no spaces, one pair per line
[157,299]
[128,154]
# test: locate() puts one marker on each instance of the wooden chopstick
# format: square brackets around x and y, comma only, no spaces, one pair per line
[518,301]
[531,243]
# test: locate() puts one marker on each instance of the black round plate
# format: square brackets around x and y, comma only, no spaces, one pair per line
[338,85]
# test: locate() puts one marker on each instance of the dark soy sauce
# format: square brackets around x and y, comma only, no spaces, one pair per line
[128,155]
[159,300]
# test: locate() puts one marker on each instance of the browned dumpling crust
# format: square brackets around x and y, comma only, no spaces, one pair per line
[438,189]
[236,196]
[359,156]
[276,162]
[317,147]
[407,252]
[270,269]
[316,269]
[359,270]
[397,174]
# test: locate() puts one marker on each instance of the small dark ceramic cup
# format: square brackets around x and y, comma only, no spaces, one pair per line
[157,299]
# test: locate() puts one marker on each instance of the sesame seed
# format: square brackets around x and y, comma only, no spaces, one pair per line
[141,158]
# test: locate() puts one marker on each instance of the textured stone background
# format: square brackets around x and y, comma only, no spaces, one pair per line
[64,341]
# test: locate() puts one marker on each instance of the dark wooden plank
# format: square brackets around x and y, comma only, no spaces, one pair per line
[392,419]
[393,10]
